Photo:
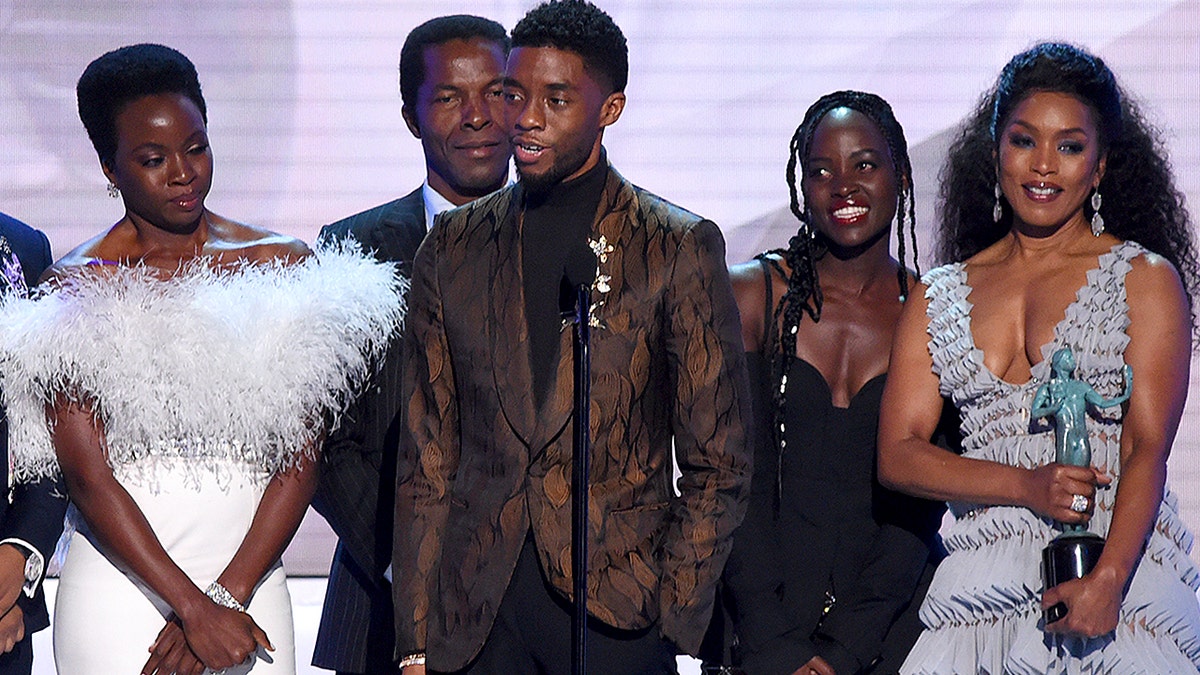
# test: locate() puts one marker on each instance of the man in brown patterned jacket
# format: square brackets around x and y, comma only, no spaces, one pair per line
[483,508]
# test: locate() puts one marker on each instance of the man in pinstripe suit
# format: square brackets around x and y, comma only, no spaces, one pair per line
[31,513]
[451,71]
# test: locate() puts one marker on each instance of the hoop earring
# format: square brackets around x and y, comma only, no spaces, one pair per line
[1097,219]
[997,208]
[113,191]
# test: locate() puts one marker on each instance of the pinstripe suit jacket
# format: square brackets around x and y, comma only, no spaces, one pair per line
[357,486]
[481,464]
[31,512]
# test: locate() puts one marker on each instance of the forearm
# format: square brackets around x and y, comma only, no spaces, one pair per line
[919,468]
[1135,510]
[274,524]
[130,543]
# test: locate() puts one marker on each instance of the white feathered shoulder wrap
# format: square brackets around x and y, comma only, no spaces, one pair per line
[243,364]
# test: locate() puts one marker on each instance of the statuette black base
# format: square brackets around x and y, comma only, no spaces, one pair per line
[1070,555]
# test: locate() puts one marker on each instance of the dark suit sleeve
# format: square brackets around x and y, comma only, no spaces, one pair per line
[708,373]
[355,466]
[36,514]
[429,450]
[350,494]
[36,509]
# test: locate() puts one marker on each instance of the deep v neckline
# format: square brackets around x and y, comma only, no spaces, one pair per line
[1037,370]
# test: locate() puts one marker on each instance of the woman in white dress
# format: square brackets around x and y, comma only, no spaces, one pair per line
[187,366]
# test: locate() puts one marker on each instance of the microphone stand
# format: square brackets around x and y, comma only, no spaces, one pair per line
[579,478]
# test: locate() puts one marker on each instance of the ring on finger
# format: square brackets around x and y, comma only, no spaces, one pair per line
[1079,503]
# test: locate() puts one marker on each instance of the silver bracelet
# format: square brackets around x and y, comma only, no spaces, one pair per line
[417,659]
[221,595]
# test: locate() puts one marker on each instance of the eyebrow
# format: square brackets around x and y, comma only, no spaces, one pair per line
[1033,127]
[857,153]
[446,86]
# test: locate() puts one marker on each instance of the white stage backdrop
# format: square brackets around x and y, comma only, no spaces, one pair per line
[305,124]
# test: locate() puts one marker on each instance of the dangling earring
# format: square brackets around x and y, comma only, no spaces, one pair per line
[1097,219]
[997,209]
[113,191]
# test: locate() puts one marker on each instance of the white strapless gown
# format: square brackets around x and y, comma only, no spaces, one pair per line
[105,621]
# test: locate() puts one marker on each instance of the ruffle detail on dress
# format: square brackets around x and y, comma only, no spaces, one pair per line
[1016,645]
[983,609]
[251,362]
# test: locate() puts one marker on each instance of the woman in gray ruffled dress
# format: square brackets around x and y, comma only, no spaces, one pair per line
[1063,228]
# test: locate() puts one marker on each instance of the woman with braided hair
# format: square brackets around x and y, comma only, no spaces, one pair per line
[1062,231]
[826,568]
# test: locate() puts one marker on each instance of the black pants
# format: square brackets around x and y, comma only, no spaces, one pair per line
[532,634]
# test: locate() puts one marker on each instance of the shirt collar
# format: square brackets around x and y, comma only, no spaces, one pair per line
[435,203]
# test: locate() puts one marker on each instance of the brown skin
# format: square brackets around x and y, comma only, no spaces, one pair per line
[849,164]
[163,168]
[556,114]
[1021,287]
[12,580]
[459,117]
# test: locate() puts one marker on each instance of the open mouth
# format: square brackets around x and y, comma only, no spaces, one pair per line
[1041,190]
[849,214]
[527,152]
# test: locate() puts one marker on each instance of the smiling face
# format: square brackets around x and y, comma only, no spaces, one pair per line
[849,181]
[458,116]
[1050,160]
[163,164]
[556,113]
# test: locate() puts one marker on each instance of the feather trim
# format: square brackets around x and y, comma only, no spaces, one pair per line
[250,363]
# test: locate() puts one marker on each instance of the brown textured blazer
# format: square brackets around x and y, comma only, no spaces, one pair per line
[480,465]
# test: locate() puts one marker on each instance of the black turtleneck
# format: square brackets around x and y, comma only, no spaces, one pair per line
[554,236]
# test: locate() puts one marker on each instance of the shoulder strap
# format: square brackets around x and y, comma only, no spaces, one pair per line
[768,306]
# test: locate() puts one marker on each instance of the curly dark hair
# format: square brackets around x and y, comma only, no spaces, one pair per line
[807,246]
[578,26]
[124,75]
[1141,202]
[435,32]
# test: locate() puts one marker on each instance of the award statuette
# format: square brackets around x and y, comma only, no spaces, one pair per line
[1074,552]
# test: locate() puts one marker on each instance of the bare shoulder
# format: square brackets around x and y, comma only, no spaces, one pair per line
[97,255]
[750,293]
[1153,276]
[914,316]
[235,241]
[746,276]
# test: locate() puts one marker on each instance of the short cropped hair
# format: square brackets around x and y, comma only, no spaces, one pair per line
[124,75]
[435,32]
[578,26]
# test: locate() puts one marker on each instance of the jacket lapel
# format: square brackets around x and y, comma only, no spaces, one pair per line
[510,329]
[611,222]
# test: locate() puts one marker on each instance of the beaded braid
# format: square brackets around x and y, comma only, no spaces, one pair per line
[807,246]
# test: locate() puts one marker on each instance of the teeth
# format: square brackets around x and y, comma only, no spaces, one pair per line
[850,212]
[1042,191]
[531,148]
